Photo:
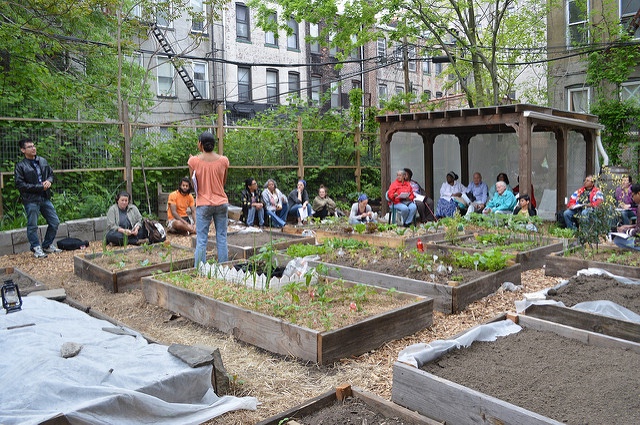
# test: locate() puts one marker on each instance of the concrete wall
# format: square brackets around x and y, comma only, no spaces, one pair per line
[91,229]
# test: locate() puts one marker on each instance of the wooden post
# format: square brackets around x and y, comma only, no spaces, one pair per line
[300,135]
[358,171]
[590,157]
[385,164]
[428,141]
[463,140]
[524,163]
[220,128]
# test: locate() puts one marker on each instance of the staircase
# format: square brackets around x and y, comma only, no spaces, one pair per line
[182,72]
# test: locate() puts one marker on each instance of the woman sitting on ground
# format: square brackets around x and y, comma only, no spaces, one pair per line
[361,211]
[275,204]
[252,205]
[124,219]
[323,205]
[299,200]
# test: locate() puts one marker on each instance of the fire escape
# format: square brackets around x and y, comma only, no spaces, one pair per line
[182,72]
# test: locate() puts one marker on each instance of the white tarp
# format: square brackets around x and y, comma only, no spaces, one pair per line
[115,379]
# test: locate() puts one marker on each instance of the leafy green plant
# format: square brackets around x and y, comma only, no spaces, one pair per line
[360,228]
[490,260]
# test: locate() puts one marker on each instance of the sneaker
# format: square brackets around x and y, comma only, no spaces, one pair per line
[52,249]
[38,253]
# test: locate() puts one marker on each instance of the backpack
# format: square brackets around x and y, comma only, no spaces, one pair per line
[70,244]
[155,231]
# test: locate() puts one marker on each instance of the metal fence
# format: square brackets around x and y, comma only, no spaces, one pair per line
[92,161]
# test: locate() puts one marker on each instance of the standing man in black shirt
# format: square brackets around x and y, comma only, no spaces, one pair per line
[34,178]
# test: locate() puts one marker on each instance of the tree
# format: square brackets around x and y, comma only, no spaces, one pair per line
[607,69]
[487,42]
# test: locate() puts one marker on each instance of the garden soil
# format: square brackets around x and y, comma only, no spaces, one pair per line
[595,288]
[557,377]
[279,383]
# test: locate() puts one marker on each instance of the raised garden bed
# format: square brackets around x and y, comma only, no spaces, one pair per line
[529,250]
[26,284]
[348,405]
[545,374]
[243,245]
[584,288]
[121,270]
[612,259]
[451,291]
[284,337]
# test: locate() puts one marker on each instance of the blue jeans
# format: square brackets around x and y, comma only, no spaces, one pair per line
[407,212]
[251,216]
[294,210]
[628,243]
[33,209]
[220,216]
[279,218]
[627,216]
[569,214]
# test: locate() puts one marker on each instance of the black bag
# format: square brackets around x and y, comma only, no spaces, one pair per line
[155,231]
[560,220]
[471,196]
[71,244]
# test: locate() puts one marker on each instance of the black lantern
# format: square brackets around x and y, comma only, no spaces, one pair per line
[11,299]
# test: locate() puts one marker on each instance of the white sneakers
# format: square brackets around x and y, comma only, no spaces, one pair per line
[39,253]
[52,250]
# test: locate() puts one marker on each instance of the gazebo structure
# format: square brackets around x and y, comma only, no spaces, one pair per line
[520,120]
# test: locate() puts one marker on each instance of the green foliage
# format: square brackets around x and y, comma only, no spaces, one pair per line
[490,260]
[486,63]
[606,70]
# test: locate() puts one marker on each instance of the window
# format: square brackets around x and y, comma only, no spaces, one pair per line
[355,84]
[333,50]
[292,40]
[628,8]
[335,94]
[165,72]
[630,90]
[197,25]
[272,86]
[355,53]
[399,89]
[200,78]
[426,66]
[427,94]
[382,94]
[411,53]
[577,15]
[242,23]
[244,84]
[438,69]
[314,31]
[163,15]
[294,84]
[137,11]
[438,94]
[398,55]
[382,48]
[270,37]
[315,90]
[578,99]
